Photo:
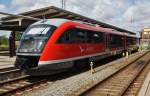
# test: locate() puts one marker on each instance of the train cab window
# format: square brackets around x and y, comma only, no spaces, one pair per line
[35,38]
[73,35]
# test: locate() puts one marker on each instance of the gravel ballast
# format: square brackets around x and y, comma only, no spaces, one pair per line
[77,82]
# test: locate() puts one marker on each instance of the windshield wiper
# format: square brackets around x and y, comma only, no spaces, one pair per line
[41,31]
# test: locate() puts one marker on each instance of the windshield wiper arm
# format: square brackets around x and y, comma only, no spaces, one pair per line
[42,32]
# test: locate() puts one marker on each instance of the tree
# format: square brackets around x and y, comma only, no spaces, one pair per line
[3,40]
[18,36]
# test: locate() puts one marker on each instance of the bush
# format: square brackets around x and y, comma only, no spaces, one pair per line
[3,40]
[4,43]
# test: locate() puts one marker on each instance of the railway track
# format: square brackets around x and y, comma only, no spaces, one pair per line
[136,85]
[118,83]
[7,69]
[19,84]
[9,73]
[12,80]
[23,83]
[27,83]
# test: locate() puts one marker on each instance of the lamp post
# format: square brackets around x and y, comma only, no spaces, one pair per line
[63,3]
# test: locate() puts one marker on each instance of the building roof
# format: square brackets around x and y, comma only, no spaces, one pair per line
[53,12]
[56,21]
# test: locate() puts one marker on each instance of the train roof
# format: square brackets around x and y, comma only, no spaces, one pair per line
[57,22]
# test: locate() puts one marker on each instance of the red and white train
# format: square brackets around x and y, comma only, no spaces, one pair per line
[54,45]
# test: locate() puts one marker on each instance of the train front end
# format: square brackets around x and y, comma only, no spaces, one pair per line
[31,46]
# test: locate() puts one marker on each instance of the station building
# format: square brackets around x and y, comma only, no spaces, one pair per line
[145,38]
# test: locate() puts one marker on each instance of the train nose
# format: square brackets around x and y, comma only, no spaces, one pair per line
[18,62]
[26,62]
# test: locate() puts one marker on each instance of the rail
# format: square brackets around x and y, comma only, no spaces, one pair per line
[117,83]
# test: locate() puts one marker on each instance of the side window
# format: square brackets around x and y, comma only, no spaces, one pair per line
[80,36]
[112,41]
[98,37]
[94,37]
[64,38]
[89,36]
[131,41]
[116,41]
[73,36]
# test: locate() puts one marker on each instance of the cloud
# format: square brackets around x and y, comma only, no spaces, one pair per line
[128,14]
[23,2]
[2,7]
[4,33]
[99,9]
[108,11]
[27,5]
[137,12]
[136,17]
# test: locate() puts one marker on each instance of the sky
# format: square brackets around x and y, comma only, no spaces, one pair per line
[131,15]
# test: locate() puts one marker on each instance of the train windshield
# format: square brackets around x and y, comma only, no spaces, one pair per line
[35,37]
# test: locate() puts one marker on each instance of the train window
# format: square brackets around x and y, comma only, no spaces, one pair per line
[131,41]
[38,30]
[116,41]
[76,36]
[97,37]
[35,38]
[73,36]
[64,38]
[89,36]
[80,36]
[94,37]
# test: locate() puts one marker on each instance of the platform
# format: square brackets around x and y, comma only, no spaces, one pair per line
[145,89]
[6,61]
[4,53]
